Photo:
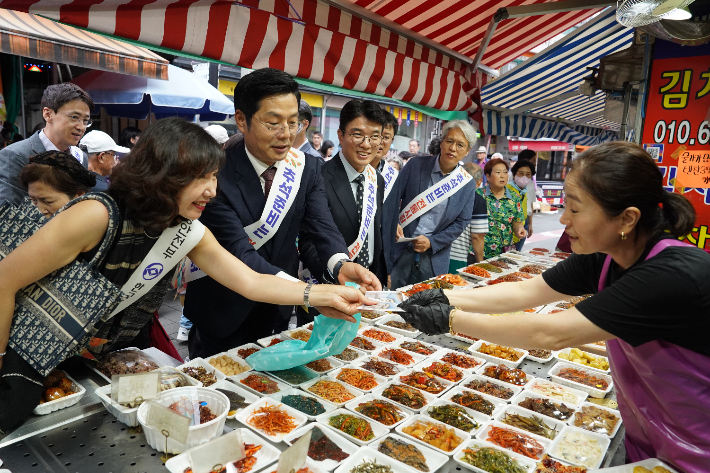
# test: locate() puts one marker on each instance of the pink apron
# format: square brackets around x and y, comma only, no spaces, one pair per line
[663,392]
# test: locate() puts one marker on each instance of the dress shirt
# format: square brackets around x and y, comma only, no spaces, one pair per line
[430,220]
[352,175]
[49,146]
[260,167]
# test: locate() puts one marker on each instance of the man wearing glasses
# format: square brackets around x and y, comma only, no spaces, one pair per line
[66,109]
[269,192]
[102,156]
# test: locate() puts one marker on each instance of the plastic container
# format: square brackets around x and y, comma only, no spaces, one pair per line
[525,394]
[198,434]
[415,357]
[325,465]
[434,349]
[334,363]
[482,369]
[459,337]
[510,364]
[229,386]
[352,406]
[593,392]
[266,341]
[169,369]
[557,425]
[234,357]
[480,418]
[365,320]
[483,435]
[479,377]
[362,360]
[93,365]
[381,323]
[616,414]
[429,361]
[279,376]
[475,277]
[434,460]
[376,344]
[328,406]
[61,403]
[377,429]
[463,436]
[238,379]
[368,454]
[356,393]
[498,404]
[429,398]
[439,355]
[125,415]
[447,384]
[397,337]
[540,360]
[524,462]
[235,351]
[360,355]
[380,380]
[595,462]
[299,418]
[567,352]
[571,395]
[201,363]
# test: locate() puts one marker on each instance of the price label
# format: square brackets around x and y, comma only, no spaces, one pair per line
[169,423]
[129,388]
[217,454]
[294,458]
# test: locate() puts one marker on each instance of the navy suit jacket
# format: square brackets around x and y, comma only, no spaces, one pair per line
[390,219]
[413,180]
[219,311]
[343,208]
[306,148]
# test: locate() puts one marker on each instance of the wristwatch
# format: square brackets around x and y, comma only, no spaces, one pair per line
[337,267]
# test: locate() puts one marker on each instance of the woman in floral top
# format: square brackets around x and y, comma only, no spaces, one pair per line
[506,215]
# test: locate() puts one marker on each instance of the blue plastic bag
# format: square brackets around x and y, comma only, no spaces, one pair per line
[330,337]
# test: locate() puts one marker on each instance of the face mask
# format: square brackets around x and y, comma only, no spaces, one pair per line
[522,182]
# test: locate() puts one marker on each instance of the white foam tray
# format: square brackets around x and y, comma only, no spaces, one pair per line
[580,396]
[530,394]
[395,318]
[334,363]
[429,361]
[479,377]
[540,360]
[570,422]
[293,391]
[526,463]
[483,434]
[446,384]
[327,464]
[427,397]
[298,416]
[557,425]
[415,357]
[367,321]
[361,354]
[61,403]
[603,444]
[229,386]
[377,429]
[463,436]
[264,342]
[361,361]
[356,393]
[352,406]
[394,342]
[480,418]
[593,392]
[510,364]
[435,349]
[434,460]
[380,380]
[482,369]
[234,356]
[199,362]
[567,351]
[439,355]
[498,404]
[246,345]
[276,375]
[376,344]
[238,379]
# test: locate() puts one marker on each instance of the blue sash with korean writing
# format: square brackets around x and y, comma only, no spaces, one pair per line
[434,195]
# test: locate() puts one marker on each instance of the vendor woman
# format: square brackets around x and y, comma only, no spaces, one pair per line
[651,302]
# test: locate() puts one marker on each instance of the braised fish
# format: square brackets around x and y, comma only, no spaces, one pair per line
[404,452]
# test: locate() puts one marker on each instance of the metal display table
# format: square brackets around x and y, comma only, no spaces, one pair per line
[86,438]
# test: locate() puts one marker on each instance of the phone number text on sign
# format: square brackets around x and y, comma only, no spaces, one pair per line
[681,133]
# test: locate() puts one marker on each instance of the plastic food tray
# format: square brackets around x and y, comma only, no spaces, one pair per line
[429,361]
[93,365]
[234,356]
[230,386]
[479,377]
[427,397]
[298,416]
[355,392]
[580,396]
[482,369]
[648,463]
[603,444]
[198,434]
[381,380]
[396,341]
[360,355]
[558,425]
[435,348]
[277,376]
[434,459]
[264,342]
[483,435]
[524,462]
[293,391]
[235,351]
[199,362]
[64,402]
[464,436]
[570,422]
[238,380]
[362,360]
[377,429]
[470,341]
[326,465]
[480,418]
[510,364]
[267,455]
[541,360]
[499,404]
[447,384]
[439,355]
[125,415]
[395,318]
[593,392]
[364,320]
[368,454]
[352,405]
[286,334]
[415,357]
[567,352]
[334,363]
[530,394]
[377,345]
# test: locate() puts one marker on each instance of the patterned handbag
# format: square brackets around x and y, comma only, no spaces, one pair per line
[56,316]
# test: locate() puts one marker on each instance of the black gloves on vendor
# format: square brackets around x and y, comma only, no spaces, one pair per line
[428,311]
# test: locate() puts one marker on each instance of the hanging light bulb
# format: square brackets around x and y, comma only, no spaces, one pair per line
[682,13]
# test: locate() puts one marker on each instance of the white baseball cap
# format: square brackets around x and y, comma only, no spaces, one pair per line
[481,149]
[218,133]
[97,141]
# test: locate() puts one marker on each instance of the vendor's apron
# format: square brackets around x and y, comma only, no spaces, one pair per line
[663,392]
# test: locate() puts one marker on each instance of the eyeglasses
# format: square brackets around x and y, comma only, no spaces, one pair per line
[387,139]
[359,138]
[459,146]
[74,118]
[278,130]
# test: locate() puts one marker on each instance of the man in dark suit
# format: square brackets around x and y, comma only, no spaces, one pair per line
[355,191]
[268,193]
[301,143]
[66,108]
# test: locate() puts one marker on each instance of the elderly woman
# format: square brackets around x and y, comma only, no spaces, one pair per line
[506,216]
[436,198]
[53,178]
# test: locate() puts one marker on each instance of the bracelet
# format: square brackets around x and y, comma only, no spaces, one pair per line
[307,295]
[451,320]
[3,353]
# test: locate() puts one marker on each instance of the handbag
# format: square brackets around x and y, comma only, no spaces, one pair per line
[56,316]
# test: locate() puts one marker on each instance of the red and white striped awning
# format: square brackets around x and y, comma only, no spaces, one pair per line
[314,40]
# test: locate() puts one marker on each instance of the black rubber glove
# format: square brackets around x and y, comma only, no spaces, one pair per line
[425,298]
[432,320]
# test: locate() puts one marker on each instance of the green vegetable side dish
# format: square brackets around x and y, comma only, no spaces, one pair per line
[353,426]
[371,467]
[533,424]
[454,416]
[297,375]
[307,405]
[491,460]
[489,267]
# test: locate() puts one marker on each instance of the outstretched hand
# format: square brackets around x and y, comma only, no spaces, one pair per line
[426,297]
[339,302]
[432,319]
[353,272]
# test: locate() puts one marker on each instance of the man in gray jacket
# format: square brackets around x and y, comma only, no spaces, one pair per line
[66,109]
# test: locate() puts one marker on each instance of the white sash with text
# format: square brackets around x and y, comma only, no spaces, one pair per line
[369,209]
[390,174]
